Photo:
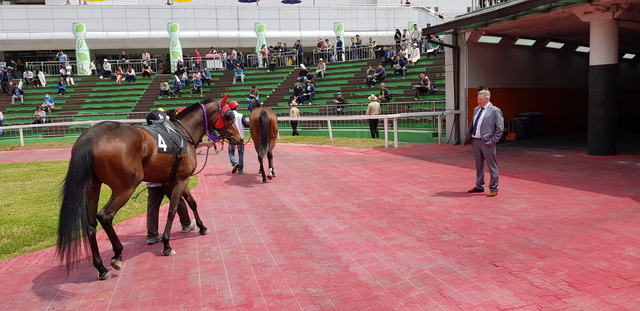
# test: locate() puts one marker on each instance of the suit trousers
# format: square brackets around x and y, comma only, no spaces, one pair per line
[156,194]
[484,153]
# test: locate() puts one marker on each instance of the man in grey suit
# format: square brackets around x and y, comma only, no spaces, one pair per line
[483,134]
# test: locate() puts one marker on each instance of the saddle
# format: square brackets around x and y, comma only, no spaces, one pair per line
[168,137]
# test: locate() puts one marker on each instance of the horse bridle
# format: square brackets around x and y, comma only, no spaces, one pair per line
[212,137]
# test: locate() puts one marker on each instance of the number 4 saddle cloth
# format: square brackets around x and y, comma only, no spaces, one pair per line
[169,138]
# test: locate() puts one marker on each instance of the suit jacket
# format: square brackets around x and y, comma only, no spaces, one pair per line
[491,128]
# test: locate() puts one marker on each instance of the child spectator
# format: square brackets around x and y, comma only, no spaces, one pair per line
[146,70]
[131,75]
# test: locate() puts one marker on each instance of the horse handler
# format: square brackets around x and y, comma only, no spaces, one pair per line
[241,122]
[156,193]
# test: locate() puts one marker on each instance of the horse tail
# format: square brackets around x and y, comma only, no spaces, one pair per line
[264,134]
[74,222]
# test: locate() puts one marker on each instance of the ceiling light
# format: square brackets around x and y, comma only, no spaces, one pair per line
[583,49]
[629,56]
[489,39]
[525,42]
[555,45]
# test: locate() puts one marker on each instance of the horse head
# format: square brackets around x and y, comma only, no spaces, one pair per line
[221,118]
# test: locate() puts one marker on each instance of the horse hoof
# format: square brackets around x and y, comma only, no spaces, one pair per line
[205,231]
[169,253]
[269,177]
[116,264]
[264,181]
[106,276]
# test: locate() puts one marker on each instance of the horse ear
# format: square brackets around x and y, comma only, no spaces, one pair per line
[223,102]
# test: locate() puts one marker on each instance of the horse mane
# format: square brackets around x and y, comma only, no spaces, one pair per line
[193,108]
[255,104]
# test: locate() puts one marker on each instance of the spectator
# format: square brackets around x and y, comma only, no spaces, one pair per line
[414,55]
[40,116]
[297,92]
[17,93]
[106,69]
[400,65]
[433,47]
[398,38]
[422,86]
[69,74]
[5,80]
[416,34]
[238,73]
[231,63]
[39,79]
[131,75]
[380,75]
[48,103]
[294,112]
[119,74]
[92,67]
[403,52]
[358,40]
[373,109]
[164,89]
[298,47]
[124,57]
[302,74]
[146,69]
[321,68]
[265,56]
[253,94]
[177,87]
[384,96]
[339,103]
[320,45]
[272,62]
[354,49]
[371,75]
[185,78]
[405,37]
[198,58]
[389,56]
[197,86]
[146,57]
[309,91]
[339,48]
[241,122]
[62,58]
[241,59]
[205,76]
[234,54]
[62,87]
[28,76]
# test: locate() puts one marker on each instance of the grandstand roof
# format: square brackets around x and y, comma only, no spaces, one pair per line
[547,19]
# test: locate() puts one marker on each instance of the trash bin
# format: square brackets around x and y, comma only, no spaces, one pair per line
[529,127]
[518,126]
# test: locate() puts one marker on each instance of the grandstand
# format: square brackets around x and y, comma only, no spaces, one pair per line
[100,99]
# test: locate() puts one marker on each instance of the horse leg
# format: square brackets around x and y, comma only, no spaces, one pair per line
[272,173]
[178,189]
[264,176]
[194,207]
[105,216]
[92,198]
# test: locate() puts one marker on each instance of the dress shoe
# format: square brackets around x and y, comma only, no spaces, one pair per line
[475,190]
[492,193]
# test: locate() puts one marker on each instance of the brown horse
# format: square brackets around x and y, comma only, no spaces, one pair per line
[121,156]
[264,132]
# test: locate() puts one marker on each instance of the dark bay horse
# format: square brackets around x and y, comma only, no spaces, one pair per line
[121,156]
[264,132]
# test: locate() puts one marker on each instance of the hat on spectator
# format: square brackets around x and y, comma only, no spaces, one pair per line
[415,44]
[338,94]
[321,60]
[382,84]
[105,60]
[293,103]
[302,66]
[372,97]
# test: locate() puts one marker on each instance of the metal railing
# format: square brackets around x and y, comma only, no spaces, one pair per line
[75,128]
[353,52]
[52,68]
[285,59]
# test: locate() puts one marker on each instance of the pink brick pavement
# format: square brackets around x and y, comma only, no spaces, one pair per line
[347,229]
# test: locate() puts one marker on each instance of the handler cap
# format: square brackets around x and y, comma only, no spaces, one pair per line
[233,104]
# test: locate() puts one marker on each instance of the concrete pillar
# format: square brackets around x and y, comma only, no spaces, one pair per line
[603,80]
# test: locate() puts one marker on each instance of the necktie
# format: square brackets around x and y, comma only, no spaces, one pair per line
[475,122]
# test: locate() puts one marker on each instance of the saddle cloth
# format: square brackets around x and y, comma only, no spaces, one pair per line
[168,137]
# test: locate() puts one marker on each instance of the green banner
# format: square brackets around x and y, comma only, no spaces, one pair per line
[338,28]
[175,48]
[83,57]
[261,31]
